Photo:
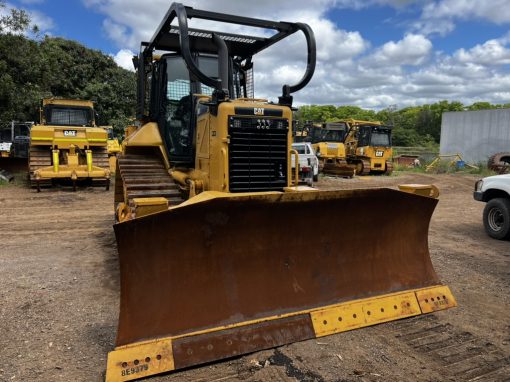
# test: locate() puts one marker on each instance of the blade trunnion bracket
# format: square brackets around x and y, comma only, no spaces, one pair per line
[146,358]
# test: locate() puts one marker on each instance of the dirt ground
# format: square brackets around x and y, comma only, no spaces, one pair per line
[59,293]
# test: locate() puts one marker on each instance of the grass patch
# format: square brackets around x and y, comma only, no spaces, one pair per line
[400,168]
[446,167]
[20,180]
[481,169]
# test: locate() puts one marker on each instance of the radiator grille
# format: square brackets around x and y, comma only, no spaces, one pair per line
[257,154]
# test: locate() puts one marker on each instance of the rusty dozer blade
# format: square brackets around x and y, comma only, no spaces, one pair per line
[227,274]
[344,170]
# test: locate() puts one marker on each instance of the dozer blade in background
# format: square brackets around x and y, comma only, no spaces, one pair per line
[220,276]
[336,169]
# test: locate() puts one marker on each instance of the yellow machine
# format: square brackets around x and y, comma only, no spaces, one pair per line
[328,142]
[5,150]
[212,264]
[113,148]
[368,147]
[300,136]
[300,131]
[454,161]
[67,144]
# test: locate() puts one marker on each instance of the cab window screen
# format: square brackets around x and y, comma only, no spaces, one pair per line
[364,136]
[68,116]
[380,138]
[209,66]
[178,79]
[178,108]
[334,135]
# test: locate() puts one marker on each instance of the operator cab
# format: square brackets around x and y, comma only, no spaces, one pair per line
[329,132]
[370,135]
[174,98]
[66,115]
[201,62]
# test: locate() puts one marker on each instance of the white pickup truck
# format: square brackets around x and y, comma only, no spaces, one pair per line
[495,191]
[308,162]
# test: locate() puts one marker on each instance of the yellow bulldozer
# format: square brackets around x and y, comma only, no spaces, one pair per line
[67,145]
[114,148]
[368,146]
[328,142]
[212,262]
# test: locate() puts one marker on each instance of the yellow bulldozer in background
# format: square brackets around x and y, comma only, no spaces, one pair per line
[328,143]
[67,145]
[368,146]
[204,199]
[114,148]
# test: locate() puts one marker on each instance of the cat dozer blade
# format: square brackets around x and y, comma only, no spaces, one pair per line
[343,170]
[227,274]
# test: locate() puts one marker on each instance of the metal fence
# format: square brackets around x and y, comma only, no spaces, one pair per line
[424,154]
[11,129]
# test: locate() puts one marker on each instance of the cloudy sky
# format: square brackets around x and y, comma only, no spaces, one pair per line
[371,53]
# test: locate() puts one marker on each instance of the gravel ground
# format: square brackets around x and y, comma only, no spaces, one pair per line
[59,293]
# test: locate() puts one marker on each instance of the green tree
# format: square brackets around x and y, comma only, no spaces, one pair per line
[15,21]
[430,117]
[317,113]
[54,67]
[411,138]
[328,113]
[481,106]
[355,112]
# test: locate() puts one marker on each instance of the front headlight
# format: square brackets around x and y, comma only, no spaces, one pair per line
[478,185]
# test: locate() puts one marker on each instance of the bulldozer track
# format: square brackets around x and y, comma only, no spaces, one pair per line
[389,167]
[462,355]
[362,166]
[145,176]
[366,167]
[100,157]
[39,157]
[339,168]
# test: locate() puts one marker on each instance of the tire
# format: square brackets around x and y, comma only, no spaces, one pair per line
[499,162]
[496,218]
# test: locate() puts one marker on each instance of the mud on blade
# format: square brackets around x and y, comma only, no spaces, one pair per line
[234,259]
[227,274]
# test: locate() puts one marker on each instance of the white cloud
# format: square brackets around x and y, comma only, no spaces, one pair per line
[124,58]
[492,52]
[44,22]
[428,26]
[496,11]
[119,34]
[406,71]
[282,63]
[440,16]
[129,13]
[32,1]
[413,49]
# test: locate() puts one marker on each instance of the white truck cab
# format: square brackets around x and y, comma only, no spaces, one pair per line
[308,162]
[495,191]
